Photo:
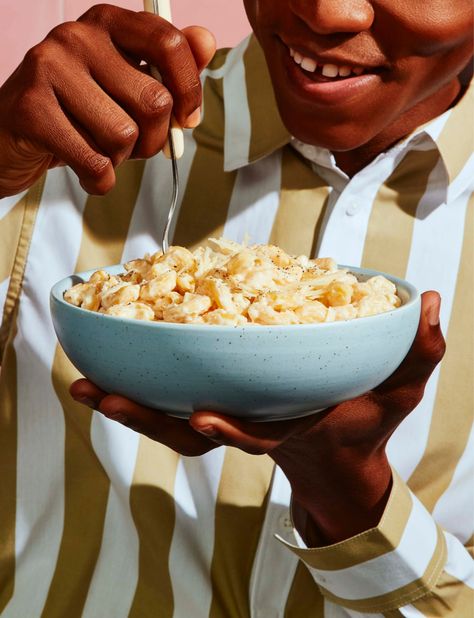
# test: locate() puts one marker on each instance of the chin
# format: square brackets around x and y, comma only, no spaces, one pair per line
[336,137]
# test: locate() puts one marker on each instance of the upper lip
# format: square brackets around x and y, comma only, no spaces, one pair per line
[337,59]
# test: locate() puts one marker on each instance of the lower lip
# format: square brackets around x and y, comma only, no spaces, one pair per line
[327,92]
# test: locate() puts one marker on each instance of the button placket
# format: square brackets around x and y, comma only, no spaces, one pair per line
[274,565]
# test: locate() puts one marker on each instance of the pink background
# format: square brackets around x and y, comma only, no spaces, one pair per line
[24,23]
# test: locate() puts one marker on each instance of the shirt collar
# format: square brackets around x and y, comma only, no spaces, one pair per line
[253,127]
[260,131]
[453,134]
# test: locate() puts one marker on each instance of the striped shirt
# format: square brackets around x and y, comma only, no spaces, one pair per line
[97,521]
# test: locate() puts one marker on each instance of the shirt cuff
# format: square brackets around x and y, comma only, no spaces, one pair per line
[383,568]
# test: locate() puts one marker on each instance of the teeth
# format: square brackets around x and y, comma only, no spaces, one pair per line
[298,58]
[309,64]
[330,70]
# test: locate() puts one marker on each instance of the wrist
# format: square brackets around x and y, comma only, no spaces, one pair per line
[342,494]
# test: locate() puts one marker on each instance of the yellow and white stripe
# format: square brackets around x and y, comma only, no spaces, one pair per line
[40,425]
[432,265]
[264,596]
[114,558]
[459,496]
[121,526]
[194,527]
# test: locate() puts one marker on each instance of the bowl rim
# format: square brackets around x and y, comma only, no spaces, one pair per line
[58,289]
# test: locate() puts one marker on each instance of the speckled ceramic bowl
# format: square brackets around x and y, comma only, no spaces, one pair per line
[256,372]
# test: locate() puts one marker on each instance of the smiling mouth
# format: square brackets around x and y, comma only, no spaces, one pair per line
[326,71]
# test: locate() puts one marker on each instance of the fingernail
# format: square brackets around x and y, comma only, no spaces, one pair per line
[208,430]
[194,119]
[90,403]
[432,314]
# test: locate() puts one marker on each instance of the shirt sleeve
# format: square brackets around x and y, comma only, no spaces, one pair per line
[11,216]
[408,564]
[17,215]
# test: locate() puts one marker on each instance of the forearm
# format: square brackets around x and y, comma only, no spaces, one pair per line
[337,493]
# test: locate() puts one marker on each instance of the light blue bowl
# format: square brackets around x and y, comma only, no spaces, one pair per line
[255,372]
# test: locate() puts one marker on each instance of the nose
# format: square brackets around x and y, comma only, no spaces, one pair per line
[334,16]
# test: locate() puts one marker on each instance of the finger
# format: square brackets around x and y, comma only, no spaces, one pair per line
[86,392]
[111,128]
[143,98]
[168,50]
[202,43]
[59,137]
[425,354]
[149,37]
[174,433]
[254,438]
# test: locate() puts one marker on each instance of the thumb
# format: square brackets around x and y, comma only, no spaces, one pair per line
[429,346]
[202,44]
[427,350]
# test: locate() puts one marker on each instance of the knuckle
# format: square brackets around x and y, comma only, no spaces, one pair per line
[99,14]
[124,135]
[35,55]
[413,397]
[69,34]
[96,165]
[173,43]
[431,352]
[40,58]
[383,401]
[402,402]
[155,101]
[439,349]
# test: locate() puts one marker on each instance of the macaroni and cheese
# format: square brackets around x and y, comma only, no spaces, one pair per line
[226,283]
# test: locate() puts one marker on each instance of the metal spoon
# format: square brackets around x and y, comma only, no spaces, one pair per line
[174,196]
[174,146]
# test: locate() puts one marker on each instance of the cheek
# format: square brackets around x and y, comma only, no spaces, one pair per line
[433,65]
[263,15]
[431,27]
[254,10]
[251,10]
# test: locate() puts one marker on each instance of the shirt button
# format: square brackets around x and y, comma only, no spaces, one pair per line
[352,209]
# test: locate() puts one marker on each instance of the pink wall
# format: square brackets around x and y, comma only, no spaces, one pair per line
[25,23]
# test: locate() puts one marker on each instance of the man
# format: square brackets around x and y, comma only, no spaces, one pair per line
[365,156]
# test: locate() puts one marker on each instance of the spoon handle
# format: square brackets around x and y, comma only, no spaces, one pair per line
[163,9]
